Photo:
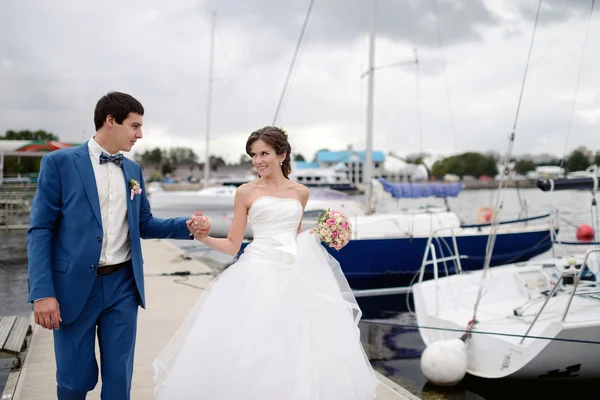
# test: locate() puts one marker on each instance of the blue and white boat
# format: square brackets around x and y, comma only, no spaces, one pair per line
[386,250]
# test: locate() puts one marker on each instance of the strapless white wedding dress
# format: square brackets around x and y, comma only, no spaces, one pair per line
[279,324]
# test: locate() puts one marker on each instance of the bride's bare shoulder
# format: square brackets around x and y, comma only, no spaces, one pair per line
[302,192]
[244,191]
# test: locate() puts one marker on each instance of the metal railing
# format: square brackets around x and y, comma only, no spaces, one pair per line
[14,203]
[571,272]
[430,248]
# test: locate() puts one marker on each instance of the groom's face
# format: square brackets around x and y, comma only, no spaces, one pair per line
[127,133]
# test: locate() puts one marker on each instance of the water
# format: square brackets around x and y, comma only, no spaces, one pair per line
[404,366]
[13,279]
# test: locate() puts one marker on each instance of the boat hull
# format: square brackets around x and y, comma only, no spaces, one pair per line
[509,340]
[391,262]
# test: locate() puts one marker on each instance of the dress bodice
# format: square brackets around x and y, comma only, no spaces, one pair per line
[274,222]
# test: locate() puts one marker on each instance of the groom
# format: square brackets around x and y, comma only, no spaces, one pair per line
[86,272]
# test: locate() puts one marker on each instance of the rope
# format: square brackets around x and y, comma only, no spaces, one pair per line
[296,51]
[481,332]
[441,46]
[512,221]
[184,277]
[500,198]
[587,33]
[417,76]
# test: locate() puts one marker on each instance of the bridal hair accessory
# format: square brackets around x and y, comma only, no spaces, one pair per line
[334,229]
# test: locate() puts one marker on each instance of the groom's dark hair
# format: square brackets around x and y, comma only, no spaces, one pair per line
[117,104]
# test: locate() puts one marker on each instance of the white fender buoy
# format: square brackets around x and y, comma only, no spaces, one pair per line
[444,363]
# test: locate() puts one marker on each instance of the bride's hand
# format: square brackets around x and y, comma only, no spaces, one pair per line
[199,226]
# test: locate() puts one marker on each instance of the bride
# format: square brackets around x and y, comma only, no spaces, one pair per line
[280,323]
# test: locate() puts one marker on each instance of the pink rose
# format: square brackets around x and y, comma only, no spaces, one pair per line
[330,222]
[335,234]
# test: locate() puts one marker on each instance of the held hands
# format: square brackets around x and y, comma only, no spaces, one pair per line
[47,313]
[199,226]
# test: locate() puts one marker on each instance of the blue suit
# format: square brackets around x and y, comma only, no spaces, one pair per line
[64,242]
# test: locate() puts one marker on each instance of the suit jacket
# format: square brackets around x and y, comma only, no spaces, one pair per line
[64,238]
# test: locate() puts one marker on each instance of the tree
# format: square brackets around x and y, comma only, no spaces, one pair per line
[181,155]
[173,156]
[166,168]
[577,161]
[216,162]
[28,135]
[470,163]
[154,156]
[299,157]
[244,159]
[524,166]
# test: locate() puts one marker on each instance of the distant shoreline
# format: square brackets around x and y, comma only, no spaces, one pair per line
[467,185]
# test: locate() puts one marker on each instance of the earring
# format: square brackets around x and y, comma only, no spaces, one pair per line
[281,163]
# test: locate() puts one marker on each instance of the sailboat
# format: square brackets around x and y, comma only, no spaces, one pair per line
[533,320]
[386,249]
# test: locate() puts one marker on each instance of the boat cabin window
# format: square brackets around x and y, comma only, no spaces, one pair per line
[313,214]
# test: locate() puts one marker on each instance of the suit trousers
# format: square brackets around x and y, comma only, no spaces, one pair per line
[110,313]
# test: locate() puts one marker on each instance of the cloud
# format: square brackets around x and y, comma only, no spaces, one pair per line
[553,11]
[343,21]
[57,58]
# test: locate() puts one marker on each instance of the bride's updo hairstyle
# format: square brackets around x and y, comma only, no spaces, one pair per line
[277,138]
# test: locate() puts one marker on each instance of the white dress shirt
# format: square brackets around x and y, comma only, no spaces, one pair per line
[112,194]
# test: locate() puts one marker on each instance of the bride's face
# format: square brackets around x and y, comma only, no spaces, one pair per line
[264,158]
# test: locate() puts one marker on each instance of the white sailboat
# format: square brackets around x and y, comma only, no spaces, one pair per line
[535,319]
[532,320]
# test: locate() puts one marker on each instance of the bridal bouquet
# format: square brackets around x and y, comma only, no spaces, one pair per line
[334,229]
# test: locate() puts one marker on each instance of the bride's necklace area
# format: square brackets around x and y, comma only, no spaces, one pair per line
[276,190]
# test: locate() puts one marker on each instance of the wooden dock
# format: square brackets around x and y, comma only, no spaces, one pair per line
[169,298]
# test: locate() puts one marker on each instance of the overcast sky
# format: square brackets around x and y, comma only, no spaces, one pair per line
[58,57]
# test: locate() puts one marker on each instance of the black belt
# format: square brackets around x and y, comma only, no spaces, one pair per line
[109,269]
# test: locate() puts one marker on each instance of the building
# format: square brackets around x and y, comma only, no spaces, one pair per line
[312,175]
[353,161]
[397,170]
[550,172]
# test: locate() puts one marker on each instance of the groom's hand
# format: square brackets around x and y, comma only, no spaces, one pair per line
[47,313]
[199,226]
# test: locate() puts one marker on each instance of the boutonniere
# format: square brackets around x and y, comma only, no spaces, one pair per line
[135,188]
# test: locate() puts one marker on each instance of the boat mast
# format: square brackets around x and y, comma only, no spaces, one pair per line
[368,165]
[209,101]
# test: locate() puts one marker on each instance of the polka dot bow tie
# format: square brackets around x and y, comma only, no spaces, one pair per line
[117,159]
